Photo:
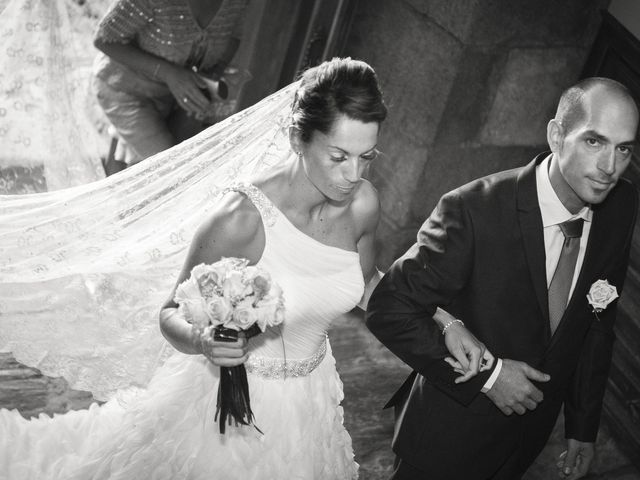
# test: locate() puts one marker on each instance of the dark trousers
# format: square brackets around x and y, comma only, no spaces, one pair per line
[405,471]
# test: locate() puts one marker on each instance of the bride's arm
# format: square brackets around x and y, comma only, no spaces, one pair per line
[366,214]
[371,281]
[177,331]
[470,355]
[185,339]
[233,230]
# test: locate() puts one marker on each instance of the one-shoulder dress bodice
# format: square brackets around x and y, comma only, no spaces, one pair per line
[320,282]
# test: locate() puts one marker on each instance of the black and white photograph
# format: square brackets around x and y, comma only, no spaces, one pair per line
[319,239]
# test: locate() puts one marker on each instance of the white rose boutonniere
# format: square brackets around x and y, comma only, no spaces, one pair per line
[600,295]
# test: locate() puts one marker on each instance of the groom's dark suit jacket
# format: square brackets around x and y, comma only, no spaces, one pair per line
[480,255]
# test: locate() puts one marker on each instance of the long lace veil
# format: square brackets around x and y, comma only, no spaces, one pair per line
[84,270]
[48,113]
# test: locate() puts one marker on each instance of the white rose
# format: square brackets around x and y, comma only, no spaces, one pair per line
[270,313]
[234,287]
[195,312]
[276,292]
[187,290]
[242,318]
[210,277]
[227,264]
[219,310]
[601,294]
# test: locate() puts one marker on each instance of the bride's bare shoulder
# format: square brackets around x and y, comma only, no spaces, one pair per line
[232,228]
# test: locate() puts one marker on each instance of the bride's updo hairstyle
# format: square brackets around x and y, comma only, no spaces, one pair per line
[341,86]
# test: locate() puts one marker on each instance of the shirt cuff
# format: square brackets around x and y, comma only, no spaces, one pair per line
[494,376]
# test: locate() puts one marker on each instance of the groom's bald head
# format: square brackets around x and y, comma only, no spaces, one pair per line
[571,107]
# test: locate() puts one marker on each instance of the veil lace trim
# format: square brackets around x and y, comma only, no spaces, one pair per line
[84,270]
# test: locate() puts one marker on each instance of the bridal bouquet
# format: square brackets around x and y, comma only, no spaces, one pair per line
[220,300]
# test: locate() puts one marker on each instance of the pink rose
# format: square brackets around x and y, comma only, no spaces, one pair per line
[259,280]
[261,286]
[208,284]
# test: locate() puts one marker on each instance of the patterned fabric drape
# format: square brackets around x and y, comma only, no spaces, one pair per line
[83,271]
[48,113]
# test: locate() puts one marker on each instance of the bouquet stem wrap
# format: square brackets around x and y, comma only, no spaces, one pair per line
[233,391]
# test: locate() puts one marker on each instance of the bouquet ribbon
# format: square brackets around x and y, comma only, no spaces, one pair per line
[233,389]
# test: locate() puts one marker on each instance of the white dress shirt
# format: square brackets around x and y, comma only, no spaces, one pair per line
[553,214]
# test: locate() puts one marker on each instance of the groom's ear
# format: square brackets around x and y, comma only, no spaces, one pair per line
[555,135]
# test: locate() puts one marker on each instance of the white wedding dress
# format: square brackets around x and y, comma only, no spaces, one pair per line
[83,272]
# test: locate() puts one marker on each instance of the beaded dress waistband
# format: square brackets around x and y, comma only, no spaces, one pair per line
[282,368]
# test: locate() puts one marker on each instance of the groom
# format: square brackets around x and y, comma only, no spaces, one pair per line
[514,255]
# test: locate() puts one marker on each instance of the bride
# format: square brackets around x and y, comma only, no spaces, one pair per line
[78,295]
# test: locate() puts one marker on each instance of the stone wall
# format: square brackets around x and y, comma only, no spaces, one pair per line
[32,393]
[470,84]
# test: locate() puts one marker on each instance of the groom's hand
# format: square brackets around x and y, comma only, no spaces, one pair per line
[513,390]
[575,461]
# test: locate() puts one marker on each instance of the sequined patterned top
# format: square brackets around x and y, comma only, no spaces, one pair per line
[167,29]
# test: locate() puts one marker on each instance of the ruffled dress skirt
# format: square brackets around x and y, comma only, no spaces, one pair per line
[168,431]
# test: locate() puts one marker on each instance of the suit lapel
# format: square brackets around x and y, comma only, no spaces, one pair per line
[531,229]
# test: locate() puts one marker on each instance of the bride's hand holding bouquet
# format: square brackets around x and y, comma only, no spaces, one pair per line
[225,303]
